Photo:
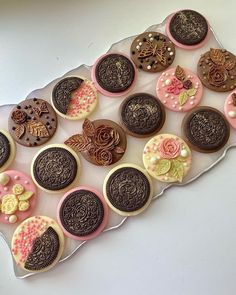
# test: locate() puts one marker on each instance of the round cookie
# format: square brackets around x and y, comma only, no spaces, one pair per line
[7,150]
[179,89]
[32,122]
[128,189]
[152,52]
[142,115]
[74,98]
[37,244]
[102,142]
[167,158]
[188,29]
[82,213]
[230,109]
[17,196]
[55,168]
[217,70]
[113,74]
[206,129]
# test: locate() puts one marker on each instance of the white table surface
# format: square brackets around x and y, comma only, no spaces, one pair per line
[185,243]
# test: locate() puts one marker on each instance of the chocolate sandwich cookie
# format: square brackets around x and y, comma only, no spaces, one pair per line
[142,114]
[113,74]
[32,122]
[102,142]
[152,52]
[188,28]
[37,244]
[74,98]
[82,213]
[127,189]
[206,129]
[7,150]
[217,70]
[55,167]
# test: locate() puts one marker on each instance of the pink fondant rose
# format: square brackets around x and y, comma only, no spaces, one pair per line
[169,148]
[175,86]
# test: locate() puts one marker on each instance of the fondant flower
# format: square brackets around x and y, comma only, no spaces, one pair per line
[103,157]
[169,148]
[217,75]
[9,204]
[175,86]
[19,117]
[106,137]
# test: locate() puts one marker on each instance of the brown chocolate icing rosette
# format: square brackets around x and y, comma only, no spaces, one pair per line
[102,142]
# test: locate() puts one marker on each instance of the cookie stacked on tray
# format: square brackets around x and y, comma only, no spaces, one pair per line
[82,212]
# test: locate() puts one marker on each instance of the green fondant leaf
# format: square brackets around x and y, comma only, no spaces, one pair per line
[163,166]
[25,196]
[183,97]
[177,170]
[191,91]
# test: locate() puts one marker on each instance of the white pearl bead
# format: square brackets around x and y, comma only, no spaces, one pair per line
[140,43]
[12,219]
[4,179]
[232,114]
[153,160]
[184,153]
[149,35]
[169,49]
[167,81]
[171,53]
[149,67]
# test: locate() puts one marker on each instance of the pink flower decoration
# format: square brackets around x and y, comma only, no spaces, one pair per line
[175,86]
[169,148]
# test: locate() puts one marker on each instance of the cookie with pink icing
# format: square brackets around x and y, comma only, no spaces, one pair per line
[179,89]
[17,196]
[82,213]
[230,109]
[167,158]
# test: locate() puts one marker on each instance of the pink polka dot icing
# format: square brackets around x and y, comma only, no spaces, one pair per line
[230,109]
[17,196]
[179,89]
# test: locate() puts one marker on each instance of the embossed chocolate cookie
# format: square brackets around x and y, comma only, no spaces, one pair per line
[128,189]
[206,129]
[55,167]
[142,114]
[32,122]
[102,142]
[152,52]
[7,150]
[37,244]
[74,98]
[217,70]
[82,213]
[187,28]
[113,74]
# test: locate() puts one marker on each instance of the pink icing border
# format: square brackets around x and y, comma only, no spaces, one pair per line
[21,215]
[102,225]
[105,92]
[168,102]
[190,47]
[228,106]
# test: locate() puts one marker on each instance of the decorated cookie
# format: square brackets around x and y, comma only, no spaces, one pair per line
[113,74]
[17,196]
[82,213]
[206,129]
[32,122]
[128,189]
[152,52]
[37,244]
[74,98]
[142,115]
[179,89]
[187,29]
[102,142]
[217,70]
[230,109]
[167,158]
[55,168]
[7,150]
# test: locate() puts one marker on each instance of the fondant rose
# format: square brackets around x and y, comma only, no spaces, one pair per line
[217,75]
[19,117]
[169,148]
[9,204]
[106,137]
[175,86]
[103,157]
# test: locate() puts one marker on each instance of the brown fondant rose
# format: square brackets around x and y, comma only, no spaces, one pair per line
[19,117]
[106,137]
[217,75]
[103,157]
